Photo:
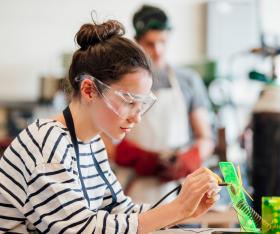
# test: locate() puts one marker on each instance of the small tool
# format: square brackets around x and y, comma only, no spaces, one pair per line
[223,184]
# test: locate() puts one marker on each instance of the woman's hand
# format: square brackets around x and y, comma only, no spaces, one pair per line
[199,192]
[206,203]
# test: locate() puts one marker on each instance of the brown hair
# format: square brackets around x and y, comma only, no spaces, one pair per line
[105,54]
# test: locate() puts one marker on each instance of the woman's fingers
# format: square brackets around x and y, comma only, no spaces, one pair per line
[203,179]
[213,199]
[213,192]
[202,172]
[198,185]
[208,187]
[219,179]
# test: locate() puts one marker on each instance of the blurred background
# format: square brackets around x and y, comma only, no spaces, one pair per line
[233,44]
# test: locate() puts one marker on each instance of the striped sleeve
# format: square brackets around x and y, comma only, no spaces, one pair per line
[11,219]
[56,205]
[39,185]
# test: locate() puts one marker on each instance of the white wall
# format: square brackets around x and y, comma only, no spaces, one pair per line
[271,18]
[34,34]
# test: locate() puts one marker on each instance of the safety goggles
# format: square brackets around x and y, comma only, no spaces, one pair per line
[141,27]
[123,103]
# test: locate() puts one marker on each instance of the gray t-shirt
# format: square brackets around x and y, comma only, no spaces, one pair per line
[190,83]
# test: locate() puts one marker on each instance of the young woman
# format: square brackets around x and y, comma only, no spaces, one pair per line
[55,176]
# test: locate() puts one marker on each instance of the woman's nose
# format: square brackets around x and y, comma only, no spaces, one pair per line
[135,118]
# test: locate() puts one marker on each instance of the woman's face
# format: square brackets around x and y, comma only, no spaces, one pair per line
[139,82]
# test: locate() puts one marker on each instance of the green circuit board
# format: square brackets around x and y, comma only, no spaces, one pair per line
[238,198]
[271,213]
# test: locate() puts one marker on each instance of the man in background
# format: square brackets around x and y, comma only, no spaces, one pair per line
[174,137]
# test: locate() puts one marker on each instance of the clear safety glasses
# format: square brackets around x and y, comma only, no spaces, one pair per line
[123,103]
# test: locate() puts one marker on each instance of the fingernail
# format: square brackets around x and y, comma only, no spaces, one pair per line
[217,198]
[218,189]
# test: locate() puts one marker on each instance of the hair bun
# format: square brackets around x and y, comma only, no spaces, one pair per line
[91,34]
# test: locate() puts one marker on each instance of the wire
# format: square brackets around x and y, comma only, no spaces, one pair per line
[251,213]
[178,189]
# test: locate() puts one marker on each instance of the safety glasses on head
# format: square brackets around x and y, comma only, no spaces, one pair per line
[123,103]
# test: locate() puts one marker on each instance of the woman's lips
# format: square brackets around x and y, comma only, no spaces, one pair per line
[125,129]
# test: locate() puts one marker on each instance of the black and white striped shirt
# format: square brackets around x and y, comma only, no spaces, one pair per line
[40,185]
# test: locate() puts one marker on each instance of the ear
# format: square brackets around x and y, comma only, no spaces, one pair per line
[87,89]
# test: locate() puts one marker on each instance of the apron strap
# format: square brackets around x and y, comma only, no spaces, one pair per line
[70,125]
